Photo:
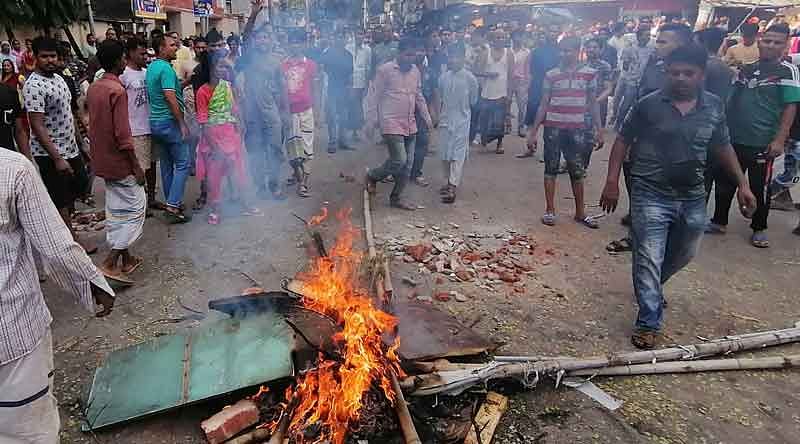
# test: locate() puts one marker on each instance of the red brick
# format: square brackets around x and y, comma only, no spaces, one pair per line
[230,421]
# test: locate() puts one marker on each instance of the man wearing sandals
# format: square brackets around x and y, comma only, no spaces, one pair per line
[571,120]
[669,133]
[763,103]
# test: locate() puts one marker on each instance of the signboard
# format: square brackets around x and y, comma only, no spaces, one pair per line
[203,8]
[149,9]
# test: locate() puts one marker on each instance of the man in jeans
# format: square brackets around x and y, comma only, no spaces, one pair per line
[669,133]
[763,105]
[167,126]
[396,98]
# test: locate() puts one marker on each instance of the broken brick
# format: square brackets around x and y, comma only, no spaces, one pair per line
[418,252]
[465,275]
[230,421]
[470,257]
[442,296]
[507,276]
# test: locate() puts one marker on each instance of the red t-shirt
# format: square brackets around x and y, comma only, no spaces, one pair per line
[300,75]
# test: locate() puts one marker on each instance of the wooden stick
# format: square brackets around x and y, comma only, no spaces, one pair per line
[368,226]
[711,365]
[403,415]
[459,380]
[283,423]
[487,419]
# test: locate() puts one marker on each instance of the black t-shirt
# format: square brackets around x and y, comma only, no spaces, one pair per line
[10,109]
[338,64]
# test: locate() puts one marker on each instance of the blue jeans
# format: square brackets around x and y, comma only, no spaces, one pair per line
[174,156]
[265,154]
[398,165]
[666,234]
[791,162]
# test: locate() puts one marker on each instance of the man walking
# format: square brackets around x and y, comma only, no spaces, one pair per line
[29,221]
[114,159]
[544,58]
[167,127]
[762,110]
[90,49]
[571,121]
[133,80]
[266,113]
[605,81]
[362,65]
[396,98]
[669,134]
[459,91]
[746,51]
[338,64]
[48,102]
[520,78]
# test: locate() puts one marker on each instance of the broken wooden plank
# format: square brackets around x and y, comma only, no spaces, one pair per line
[487,419]
[710,365]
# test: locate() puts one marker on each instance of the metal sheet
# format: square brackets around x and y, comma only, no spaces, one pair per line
[196,364]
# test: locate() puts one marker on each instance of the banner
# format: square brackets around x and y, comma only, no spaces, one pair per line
[149,9]
[202,8]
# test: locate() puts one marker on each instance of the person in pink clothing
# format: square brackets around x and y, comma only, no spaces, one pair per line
[220,153]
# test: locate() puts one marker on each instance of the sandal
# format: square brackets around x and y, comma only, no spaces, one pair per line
[450,196]
[759,239]
[620,246]
[115,278]
[713,228]
[500,151]
[156,205]
[549,219]
[137,262]
[302,191]
[589,222]
[175,217]
[645,339]
[213,219]
[403,205]
[199,204]
[370,184]
[444,190]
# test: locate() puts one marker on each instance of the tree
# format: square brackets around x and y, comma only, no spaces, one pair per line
[41,14]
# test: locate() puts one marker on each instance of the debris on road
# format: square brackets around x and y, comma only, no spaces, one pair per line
[487,419]
[230,421]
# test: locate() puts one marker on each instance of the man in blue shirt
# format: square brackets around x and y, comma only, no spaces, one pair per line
[542,59]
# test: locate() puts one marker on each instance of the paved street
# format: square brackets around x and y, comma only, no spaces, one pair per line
[577,301]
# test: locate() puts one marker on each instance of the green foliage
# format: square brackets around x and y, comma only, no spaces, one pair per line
[41,14]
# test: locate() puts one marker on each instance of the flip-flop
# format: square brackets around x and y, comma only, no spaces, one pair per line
[589,222]
[116,278]
[175,218]
[549,219]
[645,339]
[138,262]
[619,246]
[759,240]
[713,228]
[525,155]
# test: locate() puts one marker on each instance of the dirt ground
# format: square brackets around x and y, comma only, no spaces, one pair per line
[578,301]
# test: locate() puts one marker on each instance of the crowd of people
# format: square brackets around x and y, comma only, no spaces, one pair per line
[692,113]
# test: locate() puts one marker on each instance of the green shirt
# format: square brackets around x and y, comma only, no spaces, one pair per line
[161,77]
[760,93]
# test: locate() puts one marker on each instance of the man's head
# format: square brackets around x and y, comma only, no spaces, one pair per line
[772,44]
[643,35]
[111,34]
[262,40]
[15,45]
[136,50]
[749,33]
[619,29]
[29,44]
[297,42]
[90,39]
[569,47]
[176,36]
[165,47]
[518,38]
[214,42]
[710,38]
[497,39]
[593,49]
[360,37]
[670,37]
[5,47]
[686,66]
[45,49]
[447,37]
[111,56]
[387,34]
[553,31]
[435,38]
[200,46]
[406,54]
[233,44]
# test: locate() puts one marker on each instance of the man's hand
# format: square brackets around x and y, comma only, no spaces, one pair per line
[104,299]
[776,148]
[599,141]
[185,133]
[139,173]
[63,167]
[532,139]
[747,201]
[610,197]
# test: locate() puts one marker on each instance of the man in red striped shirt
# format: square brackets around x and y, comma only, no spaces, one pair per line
[571,120]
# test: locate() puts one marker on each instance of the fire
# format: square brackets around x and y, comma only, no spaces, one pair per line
[332,393]
[319,218]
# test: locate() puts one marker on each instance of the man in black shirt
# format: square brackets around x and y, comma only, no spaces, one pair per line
[338,64]
[13,127]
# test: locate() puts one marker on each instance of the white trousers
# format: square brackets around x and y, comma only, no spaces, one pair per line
[453,170]
[37,421]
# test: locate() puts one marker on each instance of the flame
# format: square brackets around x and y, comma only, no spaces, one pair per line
[332,393]
[318,219]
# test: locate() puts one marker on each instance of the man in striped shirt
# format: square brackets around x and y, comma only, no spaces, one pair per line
[29,220]
[571,120]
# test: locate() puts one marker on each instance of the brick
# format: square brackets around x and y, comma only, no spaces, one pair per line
[230,421]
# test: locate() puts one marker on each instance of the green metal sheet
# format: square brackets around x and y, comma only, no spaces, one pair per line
[195,364]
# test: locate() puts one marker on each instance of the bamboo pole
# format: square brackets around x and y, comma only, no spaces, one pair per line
[459,380]
[410,434]
[711,365]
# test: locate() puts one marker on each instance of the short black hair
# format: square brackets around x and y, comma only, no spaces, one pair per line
[683,32]
[749,29]
[233,40]
[134,43]
[779,28]
[200,39]
[691,54]
[711,38]
[619,26]
[43,43]
[158,41]
[109,54]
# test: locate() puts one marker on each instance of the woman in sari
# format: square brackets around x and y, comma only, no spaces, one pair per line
[10,75]
[220,152]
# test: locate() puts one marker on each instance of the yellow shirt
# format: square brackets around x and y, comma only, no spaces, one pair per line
[740,54]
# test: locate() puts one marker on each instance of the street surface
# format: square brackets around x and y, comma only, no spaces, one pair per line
[577,301]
